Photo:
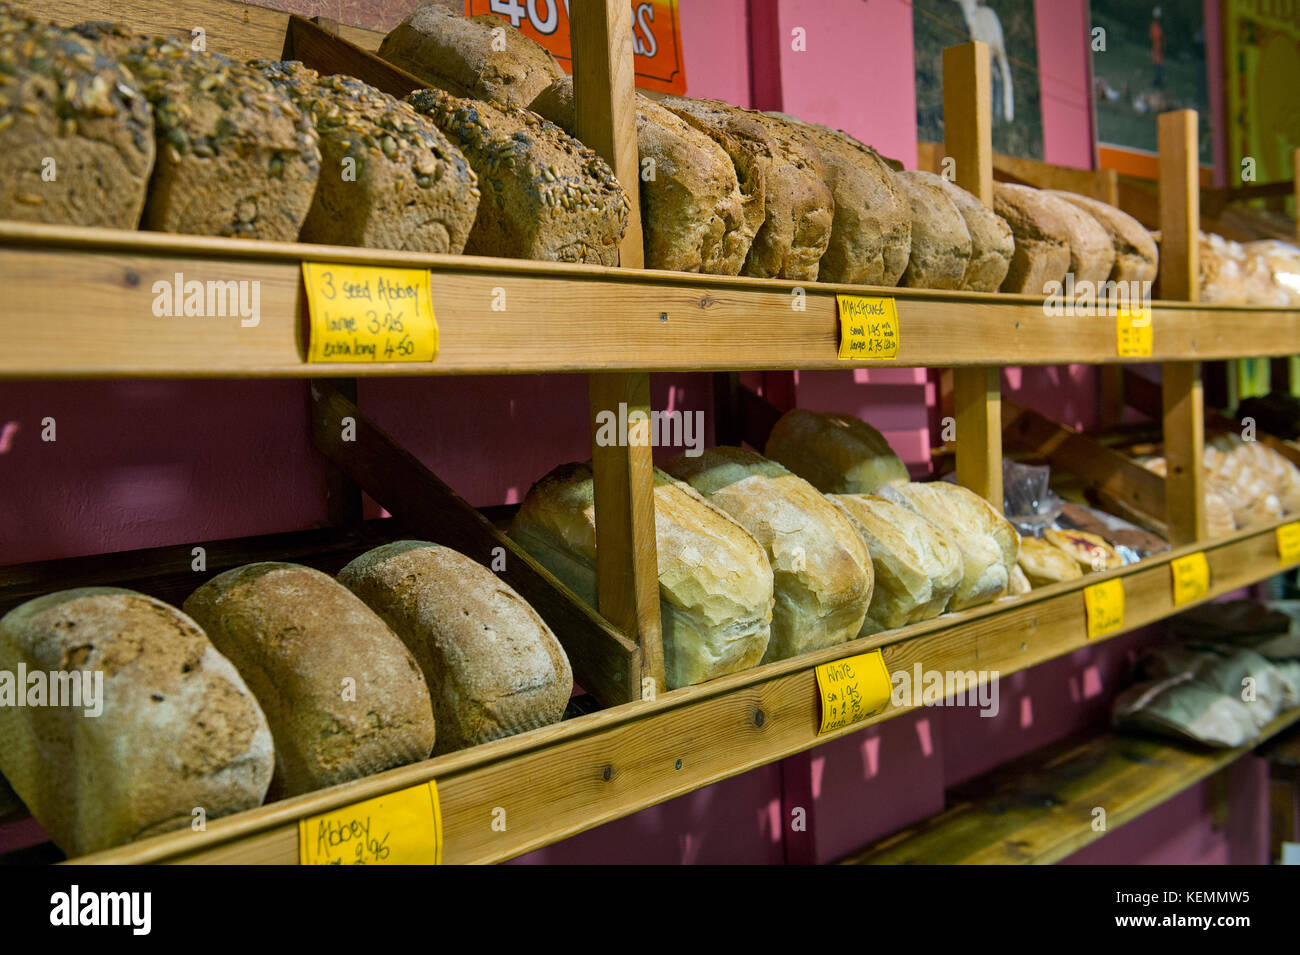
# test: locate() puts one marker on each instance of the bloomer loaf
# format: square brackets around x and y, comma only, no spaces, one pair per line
[991,242]
[715,583]
[1092,254]
[179,730]
[1136,259]
[837,453]
[492,665]
[343,695]
[941,243]
[1042,252]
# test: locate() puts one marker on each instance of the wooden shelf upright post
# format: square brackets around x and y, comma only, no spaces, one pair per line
[604,95]
[968,142]
[1183,397]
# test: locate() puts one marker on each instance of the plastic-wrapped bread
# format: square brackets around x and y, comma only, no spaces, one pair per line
[991,242]
[342,694]
[715,583]
[836,453]
[1042,253]
[492,665]
[1043,563]
[1219,520]
[1276,475]
[821,565]
[941,242]
[1092,253]
[917,566]
[989,543]
[176,728]
[1136,258]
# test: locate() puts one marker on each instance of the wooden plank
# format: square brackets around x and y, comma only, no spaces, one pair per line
[593,769]
[328,52]
[977,401]
[604,661]
[1184,433]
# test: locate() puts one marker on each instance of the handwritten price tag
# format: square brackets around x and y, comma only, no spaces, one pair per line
[852,689]
[1105,605]
[359,313]
[1288,543]
[401,828]
[1134,332]
[1191,578]
[868,327]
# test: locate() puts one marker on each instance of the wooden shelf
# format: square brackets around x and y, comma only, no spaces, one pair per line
[79,304]
[1039,809]
[600,767]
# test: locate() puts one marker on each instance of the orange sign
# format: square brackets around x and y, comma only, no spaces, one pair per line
[656,35]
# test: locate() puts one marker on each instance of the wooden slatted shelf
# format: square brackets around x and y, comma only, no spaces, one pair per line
[1040,809]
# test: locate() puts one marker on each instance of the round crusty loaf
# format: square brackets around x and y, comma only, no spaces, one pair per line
[545,195]
[991,242]
[389,178]
[941,243]
[1136,259]
[836,453]
[1042,252]
[76,136]
[492,665]
[342,694]
[1092,254]
[179,730]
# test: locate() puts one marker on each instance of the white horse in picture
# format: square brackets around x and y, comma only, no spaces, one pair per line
[983,25]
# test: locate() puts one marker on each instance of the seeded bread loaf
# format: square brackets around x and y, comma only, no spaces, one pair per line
[836,453]
[822,570]
[715,583]
[389,179]
[1042,237]
[1136,259]
[545,195]
[1092,254]
[178,731]
[343,696]
[76,135]
[692,209]
[991,242]
[493,667]
[798,205]
[481,57]
[941,243]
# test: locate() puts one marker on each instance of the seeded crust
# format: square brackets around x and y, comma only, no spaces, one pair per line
[493,666]
[992,244]
[1136,259]
[179,729]
[64,98]
[798,205]
[546,196]
[298,637]
[1042,252]
[407,188]
[941,243]
[457,55]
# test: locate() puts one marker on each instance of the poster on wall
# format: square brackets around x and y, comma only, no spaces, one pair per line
[1262,58]
[656,35]
[1147,59]
[1008,27]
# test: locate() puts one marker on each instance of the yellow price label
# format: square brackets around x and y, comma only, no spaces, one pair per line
[1288,543]
[401,828]
[868,327]
[1105,605]
[364,314]
[1191,576]
[852,689]
[1134,332]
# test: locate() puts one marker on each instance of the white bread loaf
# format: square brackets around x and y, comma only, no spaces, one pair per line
[989,543]
[917,566]
[820,565]
[836,453]
[178,730]
[297,636]
[715,583]
[492,665]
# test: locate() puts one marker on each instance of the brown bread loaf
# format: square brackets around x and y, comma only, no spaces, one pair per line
[1042,252]
[179,731]
[342,694]
[1092,254]
[1136,259]
[991,242]
[941,244]
[493,667]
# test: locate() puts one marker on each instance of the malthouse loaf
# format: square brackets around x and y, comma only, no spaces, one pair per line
[179,730]
[545,195]
[820,564]
[941,244]
[68,109]
[693,212]
[1092,254]
[837,453]
[482,57]
[1136,259]
[343,695]
[492,665]
[389,179]
[715,583]
[798,205]
[989,544]
[917,566]
[1042,238]
[991,242]
[1045,563]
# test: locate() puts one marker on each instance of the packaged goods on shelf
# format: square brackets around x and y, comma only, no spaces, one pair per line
[1181,708]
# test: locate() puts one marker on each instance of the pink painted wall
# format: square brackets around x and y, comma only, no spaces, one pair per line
[1064,82]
